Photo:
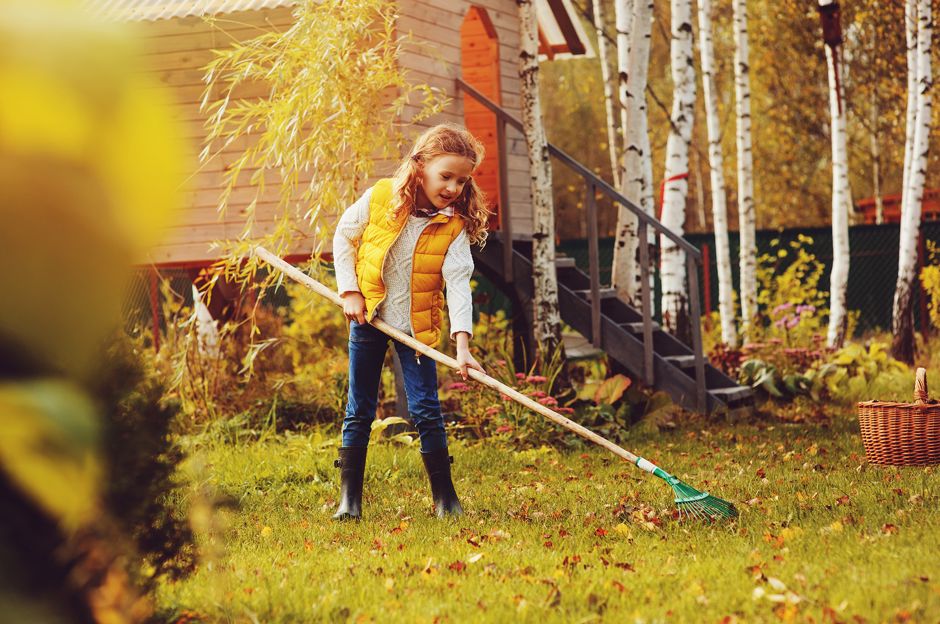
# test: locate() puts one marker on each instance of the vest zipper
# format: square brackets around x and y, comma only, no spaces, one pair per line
[411,288]
[382,270]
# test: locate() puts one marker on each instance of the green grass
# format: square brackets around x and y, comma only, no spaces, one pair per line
[570,537]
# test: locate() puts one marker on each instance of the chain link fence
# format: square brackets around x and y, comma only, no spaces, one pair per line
[873,267]
[872,275]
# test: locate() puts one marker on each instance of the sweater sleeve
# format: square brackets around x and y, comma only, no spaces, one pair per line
[349,230]
[457,270]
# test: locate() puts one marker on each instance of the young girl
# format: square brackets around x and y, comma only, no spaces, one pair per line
[394,250]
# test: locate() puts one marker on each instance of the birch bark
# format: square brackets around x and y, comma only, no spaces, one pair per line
[675,296]
[547,320]
[841,198]
[716,163]
[745,165]
[903,319]
[636,184]
[611,104]
[910,33]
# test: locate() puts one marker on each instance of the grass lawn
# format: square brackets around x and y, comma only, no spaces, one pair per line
[570,537]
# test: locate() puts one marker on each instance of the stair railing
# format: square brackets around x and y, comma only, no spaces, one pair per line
[593,183]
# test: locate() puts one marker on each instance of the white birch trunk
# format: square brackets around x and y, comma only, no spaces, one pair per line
[675,296]
[875,148]
[636,184]
[910,33]
[624,267]
[546,317]
[611,105]
[716,162]
[746,217]
[841,204]
[903,317]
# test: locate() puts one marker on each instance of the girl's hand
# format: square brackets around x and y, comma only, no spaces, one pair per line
[465,360]
[354,306]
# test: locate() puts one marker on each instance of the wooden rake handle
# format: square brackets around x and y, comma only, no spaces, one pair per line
[483,378]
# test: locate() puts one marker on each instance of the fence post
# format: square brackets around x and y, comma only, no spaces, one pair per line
[707,285]
[154,309]
[921,260]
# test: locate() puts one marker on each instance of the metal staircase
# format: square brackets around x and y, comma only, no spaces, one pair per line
[628,334]
[621,334]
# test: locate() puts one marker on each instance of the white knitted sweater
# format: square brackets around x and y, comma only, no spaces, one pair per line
[396,309]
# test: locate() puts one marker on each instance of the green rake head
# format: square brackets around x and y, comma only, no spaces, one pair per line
[700,505]
[691,502]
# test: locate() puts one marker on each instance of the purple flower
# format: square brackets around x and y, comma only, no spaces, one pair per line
[783,307]
[792,322]
[800,309]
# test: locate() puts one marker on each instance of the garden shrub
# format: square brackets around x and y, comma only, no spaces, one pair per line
[285,369]
[140,458]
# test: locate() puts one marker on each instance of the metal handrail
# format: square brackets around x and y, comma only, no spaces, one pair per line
[593,182]
[598,182]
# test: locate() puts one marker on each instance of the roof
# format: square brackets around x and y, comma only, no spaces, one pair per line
[152,10]
[560,28]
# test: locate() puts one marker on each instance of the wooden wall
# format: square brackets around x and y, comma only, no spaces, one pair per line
[177,49]
[434,58]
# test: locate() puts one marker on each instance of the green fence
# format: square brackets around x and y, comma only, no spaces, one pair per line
[872,274]
[873,267]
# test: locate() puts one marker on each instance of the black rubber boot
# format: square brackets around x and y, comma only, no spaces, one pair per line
[352,465]
[446,503]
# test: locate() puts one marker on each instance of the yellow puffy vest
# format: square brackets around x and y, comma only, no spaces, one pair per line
[427,282]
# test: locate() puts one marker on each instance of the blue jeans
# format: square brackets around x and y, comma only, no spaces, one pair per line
[367,347]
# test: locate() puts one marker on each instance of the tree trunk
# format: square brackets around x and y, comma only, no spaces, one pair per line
[633,40]
[547,319]
[611,105]
[716,162]
[746,216]
[903,322]
[876,160]
[675,295]
[910,33]
[841,199]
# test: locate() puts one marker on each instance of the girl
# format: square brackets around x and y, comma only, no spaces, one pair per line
[394,250]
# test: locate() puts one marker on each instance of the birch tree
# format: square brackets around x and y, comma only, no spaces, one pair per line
[841,194]
[672,270]
[611,105]
[745,163]
[912,196]
[634,23]
[910,35]
[716,162]
[546,317]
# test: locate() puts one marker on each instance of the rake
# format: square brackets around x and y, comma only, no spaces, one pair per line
[690,502]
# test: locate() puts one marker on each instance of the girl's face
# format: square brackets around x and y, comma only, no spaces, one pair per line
[442,180]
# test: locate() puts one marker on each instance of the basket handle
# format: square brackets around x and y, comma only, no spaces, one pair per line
[920,386]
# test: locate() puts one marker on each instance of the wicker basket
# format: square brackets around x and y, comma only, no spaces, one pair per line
[902,434]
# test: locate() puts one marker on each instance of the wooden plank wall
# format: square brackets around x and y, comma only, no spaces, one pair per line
[434,58]
[177,49]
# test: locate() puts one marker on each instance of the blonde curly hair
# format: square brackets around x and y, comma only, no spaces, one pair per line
[447,138]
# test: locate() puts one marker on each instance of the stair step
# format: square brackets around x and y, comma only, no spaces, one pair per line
[680,361]
[565,262]
[729,395]
[637,327]
[605,293]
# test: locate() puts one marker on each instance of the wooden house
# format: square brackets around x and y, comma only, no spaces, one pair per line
[470,50]
[891,205]
[478,41]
